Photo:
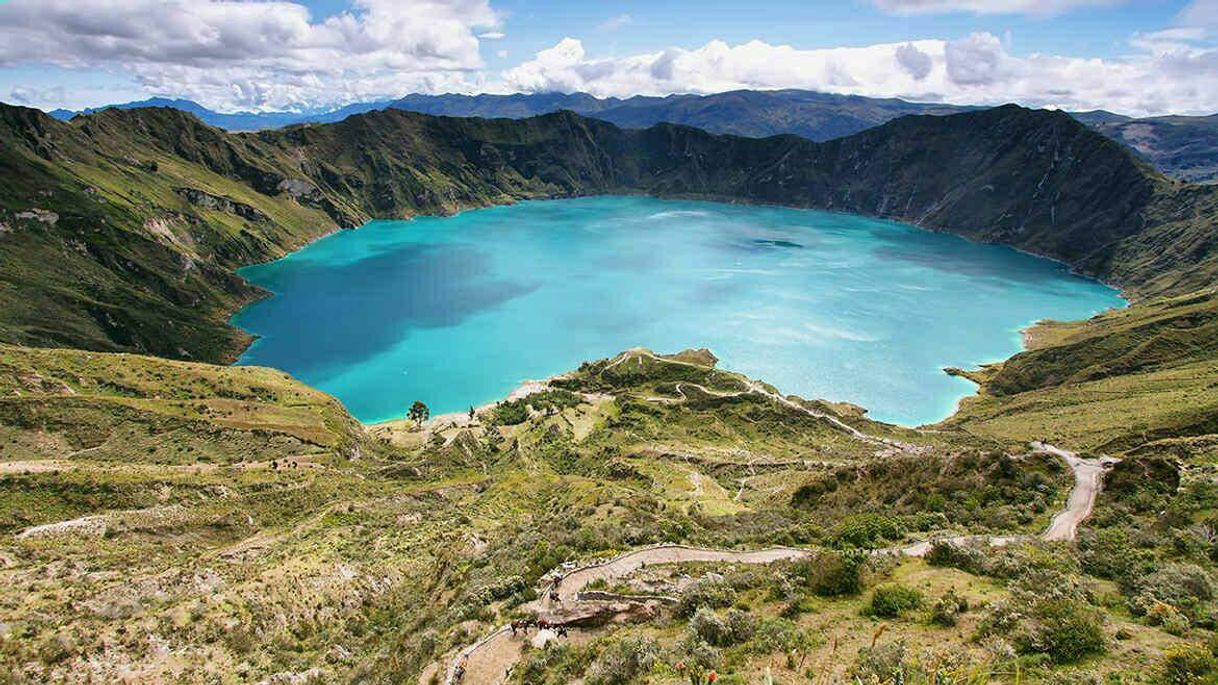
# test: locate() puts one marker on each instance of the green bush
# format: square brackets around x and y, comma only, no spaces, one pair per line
[623,661]
[884,663]
[951,555]
[892,600]
[1188,664]
[1186,587]
[779,635]
[948,608]
[510,413]
[867,531]
[1064,630]
[710,592]
[708,627]
[833,574]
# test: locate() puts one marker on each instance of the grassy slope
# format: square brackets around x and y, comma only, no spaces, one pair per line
[1145,377]
[244,570]
[128,408]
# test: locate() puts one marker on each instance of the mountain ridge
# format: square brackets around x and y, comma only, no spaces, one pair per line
[1185,147]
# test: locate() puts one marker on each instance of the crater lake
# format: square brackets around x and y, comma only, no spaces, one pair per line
[457,311]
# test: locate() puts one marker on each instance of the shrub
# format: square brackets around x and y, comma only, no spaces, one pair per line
[1065,631]
[707,626]
[1187,587]
[947,609]
[1110,553]
[709,592]
[892,600]
[509,413]
[885,663]
[779,635]
[741,625]
[698,655]
[623,661]
[833,574]
[1188,664]
[952,555]
[1163,615]
[867,530]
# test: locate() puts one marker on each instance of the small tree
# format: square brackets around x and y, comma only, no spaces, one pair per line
[418,413]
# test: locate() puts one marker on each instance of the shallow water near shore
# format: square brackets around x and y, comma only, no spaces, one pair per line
[457,311]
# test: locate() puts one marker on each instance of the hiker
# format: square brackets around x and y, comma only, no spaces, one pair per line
[554,597]
[459,671]
[562,631]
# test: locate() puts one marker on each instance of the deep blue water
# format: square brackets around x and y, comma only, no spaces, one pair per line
[459,310]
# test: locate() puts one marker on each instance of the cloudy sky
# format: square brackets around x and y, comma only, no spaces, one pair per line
[1131,56]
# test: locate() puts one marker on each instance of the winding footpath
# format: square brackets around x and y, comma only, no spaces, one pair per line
[754,388]
[491,659]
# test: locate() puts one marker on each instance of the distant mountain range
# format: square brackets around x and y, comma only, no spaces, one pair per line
[1182,147]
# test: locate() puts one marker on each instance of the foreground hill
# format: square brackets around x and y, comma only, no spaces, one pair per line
[121,230]
[184,554]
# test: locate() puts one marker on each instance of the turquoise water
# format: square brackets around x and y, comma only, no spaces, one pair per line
[459,310]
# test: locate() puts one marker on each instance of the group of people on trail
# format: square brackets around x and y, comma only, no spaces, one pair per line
[524,624]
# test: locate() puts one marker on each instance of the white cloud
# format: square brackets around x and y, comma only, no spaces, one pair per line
[1041,7]
[273,54]
[977,60]
[614,23]
[492,35]
[1177,39]
[1203,13]
[977,69]
[914,61]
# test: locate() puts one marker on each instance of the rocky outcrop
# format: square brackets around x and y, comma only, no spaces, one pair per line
[206,200]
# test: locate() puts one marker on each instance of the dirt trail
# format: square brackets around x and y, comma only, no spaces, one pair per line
[1088,481]
[755,388]
[625,564]
[491,659]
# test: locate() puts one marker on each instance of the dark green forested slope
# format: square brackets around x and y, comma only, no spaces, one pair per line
[121,229]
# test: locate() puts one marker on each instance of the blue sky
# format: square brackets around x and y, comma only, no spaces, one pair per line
[1134,56]
[656,24]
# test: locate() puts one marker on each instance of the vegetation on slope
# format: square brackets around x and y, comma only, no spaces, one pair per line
[1141,379]
[221,565]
